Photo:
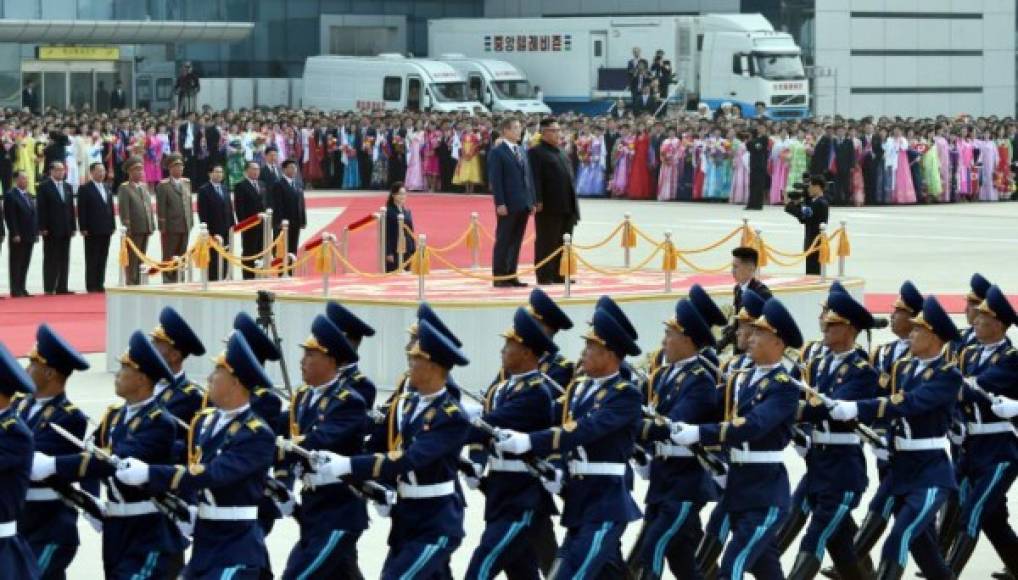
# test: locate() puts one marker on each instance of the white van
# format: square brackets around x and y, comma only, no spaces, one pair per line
[499,85]
[386,81]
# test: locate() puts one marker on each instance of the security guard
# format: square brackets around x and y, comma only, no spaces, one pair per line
[427,521]
[49,525]
[176,341]
[679,486]
[835,467]
[515,499]
[328,414]
[757,493]
[137,538]
[989,462]
[926,389]
[596,440]
[553,320]
[355,330]
[16,558]
[230,452]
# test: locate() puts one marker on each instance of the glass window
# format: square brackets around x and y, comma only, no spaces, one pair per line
[736,64]
[392,88]
[55,9]
[450,92]
[81,90]
[513,89]
[54,90]
[779,66]
[94,9]
[164,89]
[10,89]
[598,48]
[21,9]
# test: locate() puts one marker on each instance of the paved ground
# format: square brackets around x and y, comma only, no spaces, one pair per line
[936,246]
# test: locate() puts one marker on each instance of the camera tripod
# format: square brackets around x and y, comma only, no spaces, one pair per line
[267,320]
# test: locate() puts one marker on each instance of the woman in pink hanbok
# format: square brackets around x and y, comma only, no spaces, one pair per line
[904,190]
[944,158]
[988,156]
[153,157]
[668,175]
[966,157]
[858,186]
[625,149]
[779,168]
[430,160]
[414,180]
[740,170]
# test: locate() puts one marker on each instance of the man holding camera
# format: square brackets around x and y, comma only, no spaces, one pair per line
[810,212]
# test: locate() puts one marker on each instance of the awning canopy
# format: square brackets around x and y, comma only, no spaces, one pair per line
[121,31]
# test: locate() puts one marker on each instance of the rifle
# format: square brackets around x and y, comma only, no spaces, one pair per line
[538,467]
[369,490]
[863,430]
[710,462]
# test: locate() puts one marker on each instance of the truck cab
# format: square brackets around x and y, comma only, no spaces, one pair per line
[497,84]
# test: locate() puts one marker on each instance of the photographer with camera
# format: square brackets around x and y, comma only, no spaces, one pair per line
[811,209]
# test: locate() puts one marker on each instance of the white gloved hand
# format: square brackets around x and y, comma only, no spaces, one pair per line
[43,466]
[882,453]
[472,482]
[641,469]
[286,507]
[801,450]
[683,434]
[331,465]
[187,528]
[133,471]
[553,487]
[383,510]
[286,445]
[844,410]
[956,433]
[1004,407]
[510,441]
[97,525]
[721,480]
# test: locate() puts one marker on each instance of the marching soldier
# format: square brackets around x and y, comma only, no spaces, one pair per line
[229,454]
[176,341]
[427,521]
[50,526]
[713,316]
[553,320]
[515,499]
[925,389]
[16,446]
[596,440]
[354,329]
[175,213]
[978,286]
[757,492]
[138,539]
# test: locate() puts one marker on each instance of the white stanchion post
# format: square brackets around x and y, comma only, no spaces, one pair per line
[400,243]
[758,232]
[221,265]
[668,273]
[627,224]
[422,246]
[816,252]
[841,259]
[203,235]
[233,248]
[475,252]
[381,238]
[567,254]
[122,272]
[328,242]
[284,230]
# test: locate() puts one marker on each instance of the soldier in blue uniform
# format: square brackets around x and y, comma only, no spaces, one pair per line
[978,286]
[176,341]
[49,525]
[713,316]
[757,494]
[355,330]
[229,455]
[16,447]
[835,466]
[600,418]
[327,414]
[427,521]
[553,320]
[989,462]
[138,539]
[683,391]
[926,390]
[514,498]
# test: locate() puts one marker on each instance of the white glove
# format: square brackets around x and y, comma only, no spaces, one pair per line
[97,525]
[331,465]
[801,450]
[286,445]
[286,507]
[383,510]
[683,434]
[472,482]
[844,410]
[721,480]
[314,479]
[882,453]
[1004,407]
[643,470]
[43,466]
[956,433]
[133,472]
[510,441]
[554,487]
[187,528]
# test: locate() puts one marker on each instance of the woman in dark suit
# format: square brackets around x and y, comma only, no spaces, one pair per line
[395,207]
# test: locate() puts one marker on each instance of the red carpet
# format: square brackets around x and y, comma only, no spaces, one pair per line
[81,318]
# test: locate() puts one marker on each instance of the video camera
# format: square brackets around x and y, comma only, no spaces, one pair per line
[800,188]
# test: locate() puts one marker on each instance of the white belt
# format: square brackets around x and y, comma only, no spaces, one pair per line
[8,529]
[507,465]
[925,444]
[596,468]
[42,494]
[413,491]
[227,513]
[829,438]
[130,509]
[743,456]
[989,428]
[668,450]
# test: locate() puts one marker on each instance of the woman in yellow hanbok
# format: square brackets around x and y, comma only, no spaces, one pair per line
[468,169]
[24,158]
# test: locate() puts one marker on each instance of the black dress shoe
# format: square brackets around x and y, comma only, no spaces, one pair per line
[502,284]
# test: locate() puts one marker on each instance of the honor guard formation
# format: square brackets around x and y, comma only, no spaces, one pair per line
[187,480]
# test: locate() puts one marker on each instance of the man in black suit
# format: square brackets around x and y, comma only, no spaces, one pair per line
[118,98]
[97,224]
[55,202]
[872,161]
[844,159]
[646,103]
[811,213]
[288,204]
[189,144]
[557,209]
[823,153]
[270,172]
[759,179]
[513,189]
[744,266]
[249,200]
[29,97]
[213,138]
[364,162]
[23,226]
[216,211]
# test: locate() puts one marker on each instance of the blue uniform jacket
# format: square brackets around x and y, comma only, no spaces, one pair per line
[599,427]
[998,374]
[920,408]
[182,399]
[558,368]
[16,450]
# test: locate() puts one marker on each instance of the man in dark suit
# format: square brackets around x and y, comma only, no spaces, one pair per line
[512,187]
[249,200]
[23,227]
[118,98]
[216,211]
[270,172]
[744,266]
[55,202]
[557,209]
[30,97]
[823,153]
[646,103]
[213,139]
[96,223]
[811,213]
[364,162]
[189,144]
[872,161]
[759,179]
[844,160]
[287,200]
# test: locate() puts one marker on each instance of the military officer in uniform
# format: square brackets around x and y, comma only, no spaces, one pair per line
[49,525]
[926,390]
[427,521]
[134,204]
[175,341]
[595,439]
[229,454]
[175,213]
[553,320]
[978,286]
[354,329]
[16,558]
[713,316]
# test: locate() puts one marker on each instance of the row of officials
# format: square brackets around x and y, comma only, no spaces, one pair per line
[54,216]
[214,468]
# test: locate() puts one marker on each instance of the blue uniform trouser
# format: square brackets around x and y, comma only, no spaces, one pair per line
[239,572]
[145,565]
[591,551]
[913,530]
[984,506]
[424,559]
[718,524]
[831,526]
[53,559]
[753,548]
[882,502]
[671,531]
[506,547]
[331,555]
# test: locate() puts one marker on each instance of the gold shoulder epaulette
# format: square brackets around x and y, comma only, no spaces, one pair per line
[622,385]
[7,423]
[535,381]
[258,392]
[155,413]
[254,424]
[451,409]
[70,407]
[782,377]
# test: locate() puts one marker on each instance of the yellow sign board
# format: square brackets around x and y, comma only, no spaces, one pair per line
[79,53]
